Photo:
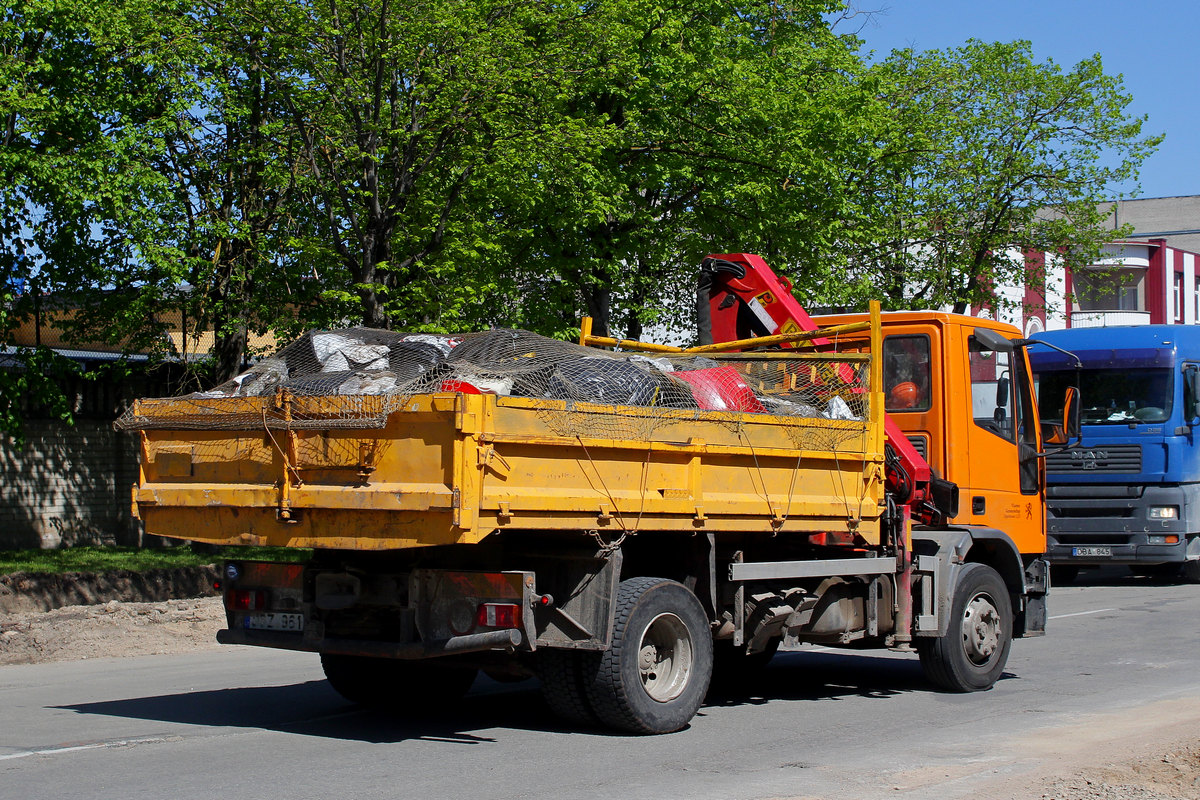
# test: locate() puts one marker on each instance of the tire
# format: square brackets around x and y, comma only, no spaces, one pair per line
[1063,574]
[972,654]
[563,674]
[733,667]
[396,685]
[1190,572]
[1162,572]
[654,676]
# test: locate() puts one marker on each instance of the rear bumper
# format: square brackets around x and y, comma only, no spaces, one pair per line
[471,643]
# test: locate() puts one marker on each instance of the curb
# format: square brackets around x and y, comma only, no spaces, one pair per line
[23,592]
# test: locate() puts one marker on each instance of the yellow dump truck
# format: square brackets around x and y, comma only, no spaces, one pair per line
[619,524]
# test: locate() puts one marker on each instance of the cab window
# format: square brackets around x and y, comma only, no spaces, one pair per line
[991,391]
[906,375]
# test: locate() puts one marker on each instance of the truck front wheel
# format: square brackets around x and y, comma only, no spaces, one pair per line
[654,676]
[972,654]
[401,686]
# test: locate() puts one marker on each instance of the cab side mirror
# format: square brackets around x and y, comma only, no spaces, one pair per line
[1003,390]
[1070,428]
[990,340]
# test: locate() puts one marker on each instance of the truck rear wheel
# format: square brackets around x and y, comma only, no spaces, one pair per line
[563,675]
[654,676]
[404,686]
[733,666]
[972,654]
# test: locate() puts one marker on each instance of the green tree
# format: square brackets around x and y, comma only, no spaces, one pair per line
[401,109]
[71,101]
[710,127]
[230,171]
[152,176]
[990,153]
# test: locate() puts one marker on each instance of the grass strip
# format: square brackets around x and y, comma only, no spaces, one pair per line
[137,559]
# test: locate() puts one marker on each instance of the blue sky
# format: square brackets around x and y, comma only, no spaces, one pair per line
[1154,45]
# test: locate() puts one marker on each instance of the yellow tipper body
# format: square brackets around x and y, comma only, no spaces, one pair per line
[453,467]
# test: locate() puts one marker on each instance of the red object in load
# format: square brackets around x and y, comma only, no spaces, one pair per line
[720,389]
[451,385]
[745,279]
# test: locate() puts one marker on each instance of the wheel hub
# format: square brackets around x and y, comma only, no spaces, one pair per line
[665,658]
[981,629]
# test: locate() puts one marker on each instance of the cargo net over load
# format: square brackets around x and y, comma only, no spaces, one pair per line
[356,377]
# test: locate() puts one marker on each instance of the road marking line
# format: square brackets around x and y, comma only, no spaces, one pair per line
[1083,613]
[53,751]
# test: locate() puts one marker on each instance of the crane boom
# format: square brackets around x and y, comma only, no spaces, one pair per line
[740,297]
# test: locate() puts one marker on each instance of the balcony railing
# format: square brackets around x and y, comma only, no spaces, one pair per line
[1102,319]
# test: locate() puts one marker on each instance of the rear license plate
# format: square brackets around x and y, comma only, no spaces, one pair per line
[1091,551]
[273,621]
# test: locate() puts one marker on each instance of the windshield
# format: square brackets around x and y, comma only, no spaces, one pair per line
[1110,396]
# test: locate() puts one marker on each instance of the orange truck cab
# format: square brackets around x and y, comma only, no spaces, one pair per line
[932,363]
[964,441]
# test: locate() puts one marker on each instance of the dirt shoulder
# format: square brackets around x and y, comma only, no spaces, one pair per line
[1168,773]
[1147,753]
[76,615]
[110,630]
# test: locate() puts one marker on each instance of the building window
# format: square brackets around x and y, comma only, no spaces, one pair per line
[1178,295]
[1109,288]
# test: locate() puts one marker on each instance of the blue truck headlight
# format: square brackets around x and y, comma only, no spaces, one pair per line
[1163,512]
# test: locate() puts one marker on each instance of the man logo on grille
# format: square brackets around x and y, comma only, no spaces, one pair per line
[1089,459]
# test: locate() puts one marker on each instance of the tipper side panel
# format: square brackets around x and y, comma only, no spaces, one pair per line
[514,432]
[454,468]
[694,472]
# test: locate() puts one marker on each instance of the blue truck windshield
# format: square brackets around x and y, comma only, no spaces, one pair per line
[1110,396]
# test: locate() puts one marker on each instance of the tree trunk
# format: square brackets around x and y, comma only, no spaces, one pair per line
[597,300]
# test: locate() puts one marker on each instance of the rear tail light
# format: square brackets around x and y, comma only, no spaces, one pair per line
[498,615]
[246,599]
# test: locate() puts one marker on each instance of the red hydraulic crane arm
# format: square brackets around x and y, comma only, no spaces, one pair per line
[740,297]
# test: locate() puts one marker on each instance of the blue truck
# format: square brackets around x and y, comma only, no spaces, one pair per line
[1130,492]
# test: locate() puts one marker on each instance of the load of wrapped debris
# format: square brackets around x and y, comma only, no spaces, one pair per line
[365,362]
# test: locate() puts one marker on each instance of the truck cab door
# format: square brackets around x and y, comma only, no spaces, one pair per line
[1004,478]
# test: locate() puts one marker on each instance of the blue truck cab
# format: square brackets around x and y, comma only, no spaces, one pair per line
[1130,492]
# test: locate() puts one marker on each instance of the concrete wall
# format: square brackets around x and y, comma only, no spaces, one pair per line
[1159,215]
[67,486]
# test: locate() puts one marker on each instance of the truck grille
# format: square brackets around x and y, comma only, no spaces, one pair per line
[1092,538]
[1113,458]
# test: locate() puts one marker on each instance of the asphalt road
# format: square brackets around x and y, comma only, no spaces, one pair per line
[1121,658]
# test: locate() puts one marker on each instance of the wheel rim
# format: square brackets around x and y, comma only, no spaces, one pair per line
[665,657]
[981,630]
